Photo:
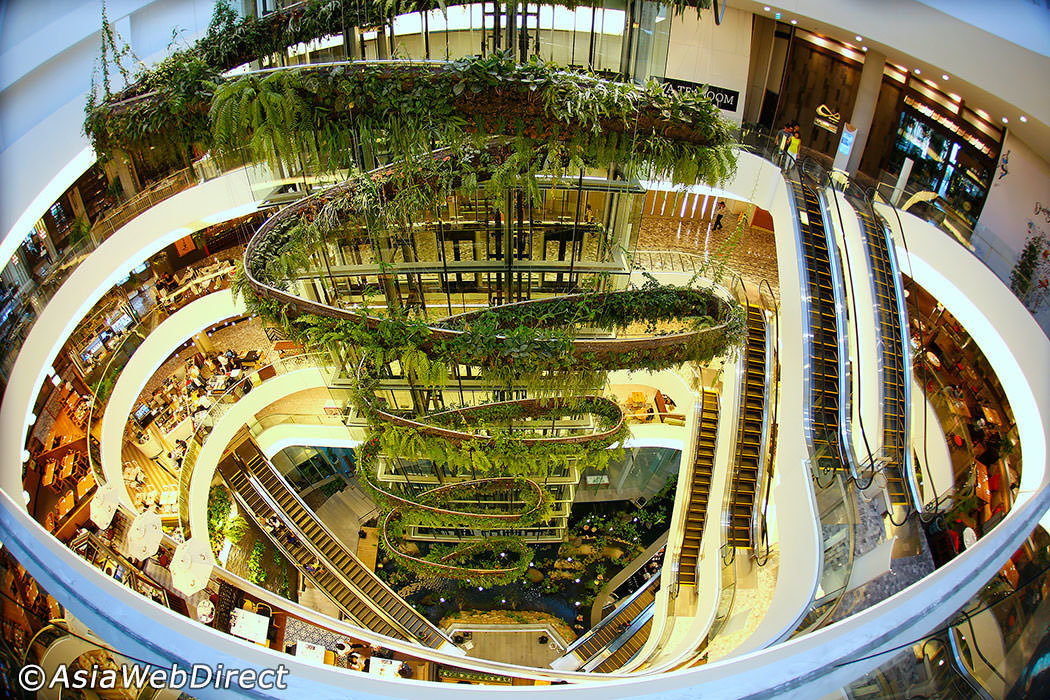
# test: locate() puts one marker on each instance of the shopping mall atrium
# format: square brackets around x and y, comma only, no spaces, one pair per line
[609,349]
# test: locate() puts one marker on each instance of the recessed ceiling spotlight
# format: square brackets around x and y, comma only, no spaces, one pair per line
[863,48]
[794,21]
[860,38]
[1005,120]
[766,8]
[918,72]
[1023,118]
[944,76]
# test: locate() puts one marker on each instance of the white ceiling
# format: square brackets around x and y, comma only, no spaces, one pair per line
[987,71]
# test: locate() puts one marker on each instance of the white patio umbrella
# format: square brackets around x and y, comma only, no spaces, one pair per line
[104,504]
[145,535]
[191,565]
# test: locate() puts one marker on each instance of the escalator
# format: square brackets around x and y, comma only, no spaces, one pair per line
[750,448]
[700,489]
[341,575]
[824,405]
[628,644]
[890,329]
[606,633]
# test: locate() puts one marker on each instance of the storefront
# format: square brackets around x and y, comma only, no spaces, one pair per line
[953,149]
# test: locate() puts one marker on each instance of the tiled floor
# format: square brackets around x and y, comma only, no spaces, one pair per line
[753,256]
[513,646]
[752,598]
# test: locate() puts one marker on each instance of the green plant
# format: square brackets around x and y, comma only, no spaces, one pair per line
[79,231]
[1023,273]
[256,572]
[219,505]
[237,529]
[553,121]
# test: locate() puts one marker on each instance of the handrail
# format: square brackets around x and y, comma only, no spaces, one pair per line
[846,271]
[960,666]
[845,364]
[815,458]
[904,463]
[907,349]
[608,619]
[759,524]
[220,406]
[99,405]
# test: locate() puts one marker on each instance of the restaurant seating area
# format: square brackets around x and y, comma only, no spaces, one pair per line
[647,405]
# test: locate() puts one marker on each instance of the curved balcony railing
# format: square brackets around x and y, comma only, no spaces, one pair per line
[22,536]
[203,424]
[357,588]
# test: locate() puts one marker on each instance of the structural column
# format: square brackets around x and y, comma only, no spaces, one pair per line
[864,105]
[203,343]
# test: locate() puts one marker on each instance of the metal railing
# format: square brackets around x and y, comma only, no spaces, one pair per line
[203,424]
[141,201]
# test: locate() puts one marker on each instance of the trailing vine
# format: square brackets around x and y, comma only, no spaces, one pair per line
[555,121]
[169,107]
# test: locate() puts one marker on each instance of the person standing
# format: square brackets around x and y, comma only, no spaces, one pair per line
[795,142]
[720,210]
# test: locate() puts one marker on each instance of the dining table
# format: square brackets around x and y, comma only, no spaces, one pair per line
[309,651]
[249,625]
[218,382]
[205,611]
[992,416]
[958,406]
[384,667]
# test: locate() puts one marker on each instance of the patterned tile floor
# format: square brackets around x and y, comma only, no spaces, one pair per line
[753,257]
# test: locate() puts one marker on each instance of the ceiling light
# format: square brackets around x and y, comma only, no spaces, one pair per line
[1005,120]
[794,21]
[860,38]
[944,76]
[863,48]
[1023,118]
[918,72]
[766,8]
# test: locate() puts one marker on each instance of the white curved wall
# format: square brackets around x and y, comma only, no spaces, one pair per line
[795,517]
[147,359]
[47,54]
[112,261]
[1007,334]
[230,423]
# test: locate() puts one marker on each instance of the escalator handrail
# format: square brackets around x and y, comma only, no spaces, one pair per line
[773,377]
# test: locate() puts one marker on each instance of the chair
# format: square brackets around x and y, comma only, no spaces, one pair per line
[249,606]
[264,609]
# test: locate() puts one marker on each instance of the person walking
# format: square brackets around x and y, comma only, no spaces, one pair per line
[720,210]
